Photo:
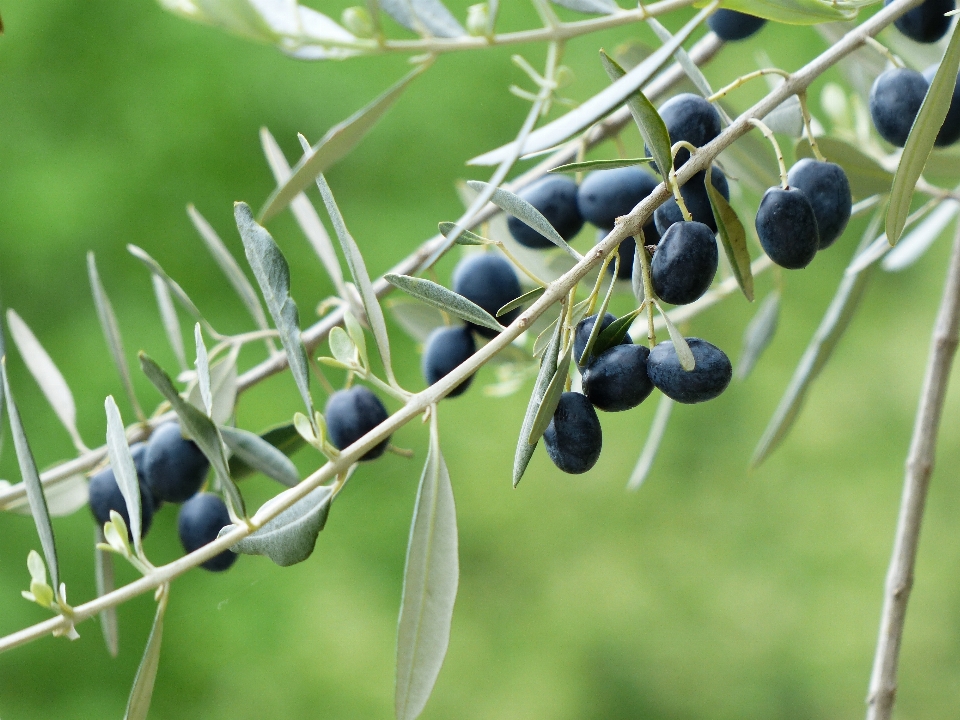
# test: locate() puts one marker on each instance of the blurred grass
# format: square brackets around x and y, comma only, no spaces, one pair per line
[713,592]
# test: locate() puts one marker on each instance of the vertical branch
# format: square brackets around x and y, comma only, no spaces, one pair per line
[943,346]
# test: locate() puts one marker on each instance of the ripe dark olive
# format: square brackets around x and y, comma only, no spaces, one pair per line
[555,196]
[201,519]
[708,379]
[826,186]
[685,263]
[605,195]
[447,348]
[573,437]
[895,100]
[105,495]
[174,467]
[351,414]
[689,117]
[694,194]
[582,333]
[617,379]
[926,22]
[787,227]
[950,130]
[489,281]
[732,25]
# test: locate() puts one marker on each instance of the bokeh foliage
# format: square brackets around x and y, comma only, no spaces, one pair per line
[714,592]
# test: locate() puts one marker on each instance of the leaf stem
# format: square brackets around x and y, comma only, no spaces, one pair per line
[768,134]
[648,294]
[805,111]
[744,79]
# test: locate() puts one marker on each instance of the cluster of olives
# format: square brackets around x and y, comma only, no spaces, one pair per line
[897,94]
[170,469]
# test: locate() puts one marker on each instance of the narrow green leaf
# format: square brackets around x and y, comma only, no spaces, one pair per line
[548,368]
[912,247]
[229,266]
[426,17]
[103,568]
[636,276]
[273,276]
[178,292]
[527,213]
[199,427]
[168,316]
[594,7]
[305,213]
[444,299]
[48,377]
[333,146]
[614,333]
[465,237]
[752,161]
[284,438]
[834,323]
[31,480]
[601,164]
[355,331]
[551,398]
[799,12]
[658,429]
[63,498]
[138,705]
[544,338]
[687,361]
[732,236]
[291,536]
[599,105]
[651,125]
[582,361]
[121,462]
[260,455]
[223,388]
[867,177]
[417,319]
[358,270]
[203,371]
[527,297]
[111,332]
[758,334]
[919,143]
[430,583]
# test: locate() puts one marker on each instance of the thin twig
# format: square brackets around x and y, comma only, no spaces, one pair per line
[920,460]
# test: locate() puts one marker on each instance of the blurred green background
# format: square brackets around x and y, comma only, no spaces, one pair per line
[714,592]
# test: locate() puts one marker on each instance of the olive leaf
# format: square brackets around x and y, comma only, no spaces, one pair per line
[548,368]
[444,299]
[658,429]
[223,388]
[551,398]
[48,377]
[798,12]
[684,355]
[168,316]
[652,128]
[417,319]
[103,569]
[614,333]
[342,346]
[125,472]
[111,332]
[601,164]
[259,454]
[527,213]
[732,236]
[430,579]
[31,479]
[867,177]
[912,247]
[284,438]
[291,536]
[333,146]
[919,143]
[199,427]
[527,297]
[595,329]
[203,371]
[426,17]
[138,705]
[594,7]
[63,498]
[273,276]
[759,333]
[599,105]
[465,237]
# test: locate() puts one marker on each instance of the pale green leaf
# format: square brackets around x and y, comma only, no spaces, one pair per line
[551,398]
[48,377]
[138,705]
[63,498]
[594,7]
[284,438]
[223,388]
[417,319]
[203,371]
[732,236]
[527,297]
[601,164]
[444,299]
[684,355]
[342,346]
[355,331]
[168,316]
[103,568]
[125,472]
[912,247]
[429,586]
[178,292]
[613,334]
[261,455]
[548,368]
[333,146]
[426,17]
[799,12]
[658,429]
[465,237]
[759,332]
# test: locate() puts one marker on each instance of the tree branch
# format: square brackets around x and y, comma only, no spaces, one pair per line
[919,467]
